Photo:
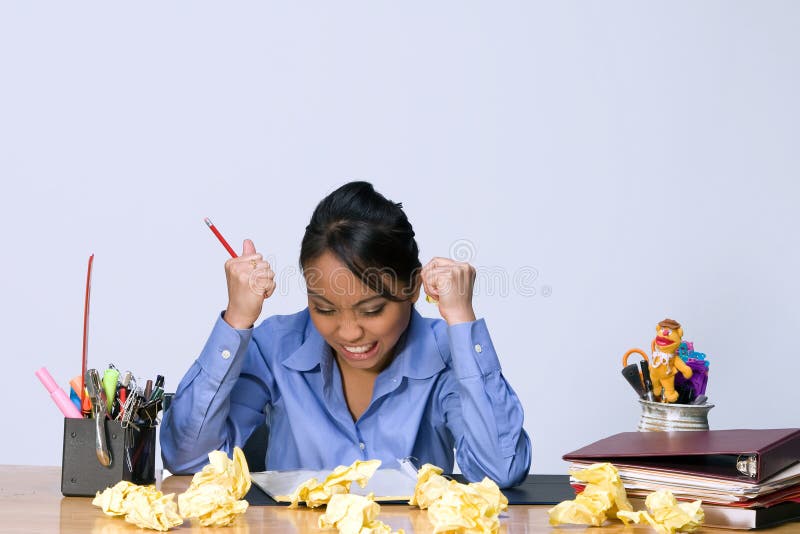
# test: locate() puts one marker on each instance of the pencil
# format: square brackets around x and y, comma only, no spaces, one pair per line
[84,352]
[221,239]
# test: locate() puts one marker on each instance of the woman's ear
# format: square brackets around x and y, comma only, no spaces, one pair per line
[413,290]
[415,296]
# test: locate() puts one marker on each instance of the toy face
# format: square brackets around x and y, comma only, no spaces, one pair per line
[667,339]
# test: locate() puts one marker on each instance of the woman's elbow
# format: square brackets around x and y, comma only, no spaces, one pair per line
[177,458]
[518,466]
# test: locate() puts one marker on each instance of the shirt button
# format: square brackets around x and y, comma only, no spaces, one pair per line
[478,348]
[226,354]
[362,446]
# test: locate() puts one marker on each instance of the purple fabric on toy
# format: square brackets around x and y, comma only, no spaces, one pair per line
[699,378]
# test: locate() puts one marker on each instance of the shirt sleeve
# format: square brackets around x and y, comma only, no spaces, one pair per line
[218,403]
[481,410]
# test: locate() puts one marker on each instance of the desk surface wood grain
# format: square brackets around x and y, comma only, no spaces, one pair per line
[31,501]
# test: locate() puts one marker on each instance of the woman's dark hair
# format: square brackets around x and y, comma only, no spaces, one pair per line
[370,234]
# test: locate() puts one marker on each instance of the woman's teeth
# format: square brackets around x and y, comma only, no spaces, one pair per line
[359,349]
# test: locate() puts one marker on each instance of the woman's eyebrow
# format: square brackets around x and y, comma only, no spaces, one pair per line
[359,303]
[318,296]
[368,299]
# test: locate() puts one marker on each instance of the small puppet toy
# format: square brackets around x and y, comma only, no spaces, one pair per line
[664,362]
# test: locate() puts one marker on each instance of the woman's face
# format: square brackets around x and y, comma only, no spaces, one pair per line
[361,326]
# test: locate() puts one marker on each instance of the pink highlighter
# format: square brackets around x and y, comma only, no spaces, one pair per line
[58,395]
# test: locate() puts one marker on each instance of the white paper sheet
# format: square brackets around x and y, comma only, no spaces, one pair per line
[386,484]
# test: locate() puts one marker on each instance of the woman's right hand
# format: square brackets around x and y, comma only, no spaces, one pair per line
[250,282]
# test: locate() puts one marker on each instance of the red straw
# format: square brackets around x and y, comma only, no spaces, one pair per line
[86,328]
[221,239]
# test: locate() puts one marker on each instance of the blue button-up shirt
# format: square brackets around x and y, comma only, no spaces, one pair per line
[443,390]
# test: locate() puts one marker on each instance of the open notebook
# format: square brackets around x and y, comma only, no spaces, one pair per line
[388,485]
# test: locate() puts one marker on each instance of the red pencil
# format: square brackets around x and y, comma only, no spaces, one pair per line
[221,239]
[84,356]
[123,396]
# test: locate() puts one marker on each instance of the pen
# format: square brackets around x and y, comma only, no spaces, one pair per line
[122,393]
[648,383]
[148,389]
[221,239]
[158,388]
[58,395]
[124,384]
[158,392]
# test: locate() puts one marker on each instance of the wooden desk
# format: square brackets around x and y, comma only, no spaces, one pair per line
[31,501]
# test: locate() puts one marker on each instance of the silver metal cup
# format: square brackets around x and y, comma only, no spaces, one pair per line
[665,417]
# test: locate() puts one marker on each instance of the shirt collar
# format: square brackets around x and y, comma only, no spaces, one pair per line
[419,357]
[310,353]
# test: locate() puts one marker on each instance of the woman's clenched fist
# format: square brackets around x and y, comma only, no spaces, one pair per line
[250,282]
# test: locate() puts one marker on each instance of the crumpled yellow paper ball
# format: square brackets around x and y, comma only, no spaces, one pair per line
[112,499]
[667,515]
[430,486]
[354,514]
[603,497]
[314,493]
[159,513]
[212,504]
[214,493]
[212,497]
[144,506]
[468,508]
[232,473]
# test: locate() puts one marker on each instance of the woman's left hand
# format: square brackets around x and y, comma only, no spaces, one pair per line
[451,283]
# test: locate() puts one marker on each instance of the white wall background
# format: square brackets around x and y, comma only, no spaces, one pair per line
[642,157]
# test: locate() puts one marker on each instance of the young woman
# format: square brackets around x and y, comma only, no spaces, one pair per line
[359,374]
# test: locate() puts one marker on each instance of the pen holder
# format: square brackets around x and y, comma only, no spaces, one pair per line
[666,417]
[133,456]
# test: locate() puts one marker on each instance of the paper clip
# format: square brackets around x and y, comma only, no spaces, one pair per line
[130,409]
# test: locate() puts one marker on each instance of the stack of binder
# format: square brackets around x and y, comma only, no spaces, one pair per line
[745,478]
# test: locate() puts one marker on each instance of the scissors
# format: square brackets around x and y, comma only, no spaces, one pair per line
[638,379]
